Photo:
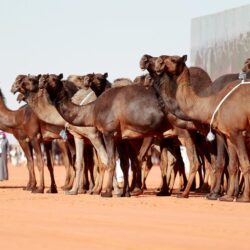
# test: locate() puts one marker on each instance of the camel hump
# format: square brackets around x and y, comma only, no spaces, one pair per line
[121,82]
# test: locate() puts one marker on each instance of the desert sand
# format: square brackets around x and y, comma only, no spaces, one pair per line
[58,221]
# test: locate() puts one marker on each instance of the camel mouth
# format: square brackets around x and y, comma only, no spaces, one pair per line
[158,72]
[14,90]
[20,97]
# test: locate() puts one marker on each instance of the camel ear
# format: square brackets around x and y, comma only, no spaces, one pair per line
[38,76]
[145,58]
[160,59]
[106,75]
[60,76]
[184,58]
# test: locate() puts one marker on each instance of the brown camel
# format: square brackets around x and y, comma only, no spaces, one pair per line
[216,86]
[201,108]
[116,119]
[200,80]
[38,100]
[30,133]
[167,159]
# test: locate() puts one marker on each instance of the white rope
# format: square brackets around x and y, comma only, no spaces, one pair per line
[210,135]
[86,97]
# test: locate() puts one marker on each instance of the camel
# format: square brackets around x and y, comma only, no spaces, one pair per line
[214,87]
[38,100]
[30,133]
[201,108]
[115,123]
[199,79]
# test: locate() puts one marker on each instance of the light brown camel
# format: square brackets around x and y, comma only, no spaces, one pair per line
[29,131]
[202,108]
[38,100]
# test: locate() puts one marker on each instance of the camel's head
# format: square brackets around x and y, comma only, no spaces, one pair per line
[52,83]
[144,80]
[139,80]
[145,61]
[77,80]
[160,64]
[25,84]
[246,67]
[149,81]
[97,82]
[172,65]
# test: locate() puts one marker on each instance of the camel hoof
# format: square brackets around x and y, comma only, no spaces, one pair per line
[28,188]
[163,193]
[213,196]
[182,196]
[71,192]
[243,199]
[81,191]
[94,191]
[204,189]
[106,194]
[127,194]
[37,191]
[226,198]
[52,190]
[122,194]
[137,191]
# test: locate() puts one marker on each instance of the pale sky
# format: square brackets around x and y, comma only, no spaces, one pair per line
[80,37]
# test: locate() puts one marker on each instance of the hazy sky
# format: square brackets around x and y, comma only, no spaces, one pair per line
[73,36]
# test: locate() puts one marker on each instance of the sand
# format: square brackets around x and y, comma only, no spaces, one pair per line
[59,221]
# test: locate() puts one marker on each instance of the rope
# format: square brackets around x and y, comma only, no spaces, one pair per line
[210,135]
[86,97]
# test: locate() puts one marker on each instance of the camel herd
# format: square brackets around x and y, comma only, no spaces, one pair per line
[141,122]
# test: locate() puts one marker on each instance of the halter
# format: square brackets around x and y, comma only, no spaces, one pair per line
[242,76]
[86,97]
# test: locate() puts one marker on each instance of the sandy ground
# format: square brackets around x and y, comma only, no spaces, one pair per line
[58,221]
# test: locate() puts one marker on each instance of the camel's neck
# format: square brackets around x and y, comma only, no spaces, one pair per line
[45,111]
[196,107]
[73,113]
[9,118]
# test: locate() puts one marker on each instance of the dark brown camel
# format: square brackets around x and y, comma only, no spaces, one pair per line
[201,108]
[38,100]
[199,79]
[99,83]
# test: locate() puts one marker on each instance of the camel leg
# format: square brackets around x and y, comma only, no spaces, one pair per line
[171,173]
[78,166]
[48,148]
[205,186]
[239,143]
[110,146]
[40,164]
[68,168]
[194,163]
[96,178]
[30,164]
[96,141]
[217,169]
[164,169]
[92,168]
[146,167]
[232,169]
